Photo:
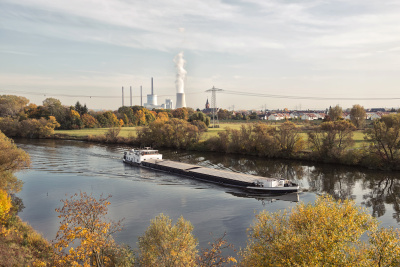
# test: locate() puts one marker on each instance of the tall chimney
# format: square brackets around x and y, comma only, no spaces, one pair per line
[131,95]
[152,86]
[122,96]
[141,98]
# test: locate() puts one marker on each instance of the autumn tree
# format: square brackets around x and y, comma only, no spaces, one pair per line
[330,139]
[10,126]
[358,116]
[12,159]
[75,119]
[288,138]
[89,121]
[40,128]
[5,207]
[180,113]
[164,244]
[174,133]
[335,113]
[384,249]
[112,134]
[11,105]
[85,235]
[162,116]
[224,114]
[150,115]
[384,138]
[139,117]
[255,138]
[326,233]
[213,256]
[126,114]
[200,116]
[53,105]
[107,119]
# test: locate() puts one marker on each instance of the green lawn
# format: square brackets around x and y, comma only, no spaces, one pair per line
[125,131]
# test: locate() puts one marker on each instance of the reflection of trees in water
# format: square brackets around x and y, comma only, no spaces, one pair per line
[337,181]
[384,189]
[17,204]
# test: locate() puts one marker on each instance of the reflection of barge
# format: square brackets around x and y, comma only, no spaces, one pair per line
[149,158]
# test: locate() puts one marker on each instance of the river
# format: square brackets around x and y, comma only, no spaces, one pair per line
[61,167]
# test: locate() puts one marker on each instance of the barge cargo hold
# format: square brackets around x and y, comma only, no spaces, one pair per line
[149,158]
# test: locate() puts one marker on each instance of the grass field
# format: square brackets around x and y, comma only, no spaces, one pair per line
[125,132]
[131,131]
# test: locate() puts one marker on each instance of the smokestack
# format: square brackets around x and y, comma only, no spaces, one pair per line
[131,95]
[141,98]
[152,92]
[122,96]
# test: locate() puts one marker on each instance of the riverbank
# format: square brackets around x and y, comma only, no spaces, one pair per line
[357,156]
[127,132]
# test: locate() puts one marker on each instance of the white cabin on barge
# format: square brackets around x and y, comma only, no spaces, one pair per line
[137,156]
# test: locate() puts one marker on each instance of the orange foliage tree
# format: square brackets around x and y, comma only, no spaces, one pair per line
[85,236]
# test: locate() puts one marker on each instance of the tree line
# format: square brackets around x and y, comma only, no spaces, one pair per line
[18,117]
[329,141]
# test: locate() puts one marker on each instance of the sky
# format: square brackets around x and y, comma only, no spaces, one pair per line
[273,54]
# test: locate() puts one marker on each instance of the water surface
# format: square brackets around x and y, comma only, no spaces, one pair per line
[62,167]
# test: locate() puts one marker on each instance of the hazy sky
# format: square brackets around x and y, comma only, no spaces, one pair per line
[74,49]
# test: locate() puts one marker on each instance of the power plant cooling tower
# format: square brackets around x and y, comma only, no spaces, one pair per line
[152,100]
[180,100]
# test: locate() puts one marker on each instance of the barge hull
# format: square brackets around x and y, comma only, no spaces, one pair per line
[229,178]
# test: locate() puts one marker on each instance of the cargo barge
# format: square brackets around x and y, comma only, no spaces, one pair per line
[152,159]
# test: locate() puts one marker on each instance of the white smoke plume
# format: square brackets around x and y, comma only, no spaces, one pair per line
[181,73]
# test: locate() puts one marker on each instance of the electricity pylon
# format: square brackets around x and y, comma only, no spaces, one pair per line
[214,106]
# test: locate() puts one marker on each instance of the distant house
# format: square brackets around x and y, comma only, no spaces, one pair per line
[320,116]
[275,117]
[294,115]
[309,117]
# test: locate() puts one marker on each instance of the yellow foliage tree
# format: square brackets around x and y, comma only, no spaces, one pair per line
[162,116]
[12,159]
[164,244]
[85,236]
[326,233]
[5,206]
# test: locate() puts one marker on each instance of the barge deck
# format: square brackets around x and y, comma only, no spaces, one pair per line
[250,182]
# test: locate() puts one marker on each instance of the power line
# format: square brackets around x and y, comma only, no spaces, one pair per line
[82,96]
[305,97]
[230,92]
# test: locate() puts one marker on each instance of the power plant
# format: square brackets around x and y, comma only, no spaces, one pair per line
[151,99]
[179,84]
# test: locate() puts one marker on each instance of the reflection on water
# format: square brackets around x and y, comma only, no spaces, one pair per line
[65,167]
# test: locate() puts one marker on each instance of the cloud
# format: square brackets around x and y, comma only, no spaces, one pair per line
[256,40]
[216,26]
